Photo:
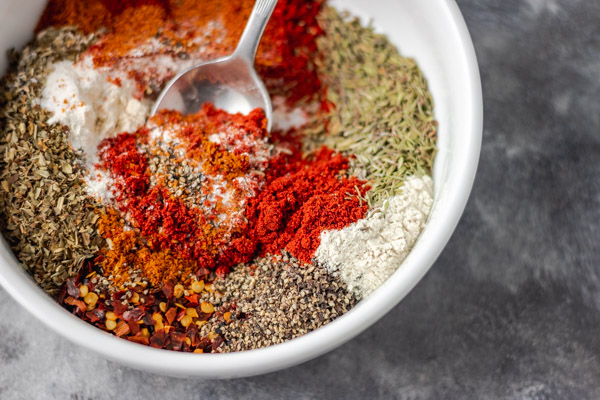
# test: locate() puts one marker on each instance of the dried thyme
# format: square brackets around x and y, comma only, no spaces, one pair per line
[45,213]
[383,112]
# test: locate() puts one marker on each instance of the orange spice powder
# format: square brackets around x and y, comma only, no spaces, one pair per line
[128,252]
[195,129]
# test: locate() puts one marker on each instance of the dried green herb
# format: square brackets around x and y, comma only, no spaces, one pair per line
[45,214]
[383,112]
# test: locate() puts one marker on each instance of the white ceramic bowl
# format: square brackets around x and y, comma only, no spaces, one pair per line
[431,31]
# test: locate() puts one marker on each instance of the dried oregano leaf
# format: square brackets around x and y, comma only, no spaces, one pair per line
[45,214]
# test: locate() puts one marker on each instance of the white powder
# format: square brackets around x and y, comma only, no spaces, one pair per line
[87,100]
[83,98]
[157,68]
[286,118]
[98,185]
[367,252]
[94,108]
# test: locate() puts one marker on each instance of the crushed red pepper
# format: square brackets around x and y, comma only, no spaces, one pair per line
[137,315]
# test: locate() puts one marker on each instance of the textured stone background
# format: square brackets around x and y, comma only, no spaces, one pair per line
[511,310]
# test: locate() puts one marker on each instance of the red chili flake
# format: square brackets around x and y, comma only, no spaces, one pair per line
[139,339]
[167,290]
[204,344]
[203,316]
[159,339]
[95,315]
[133,315]
[62,293]
[216,342]
[180,315]
[134,328]
[202,272]
[121,295]
[118,307]
[122,329]
[192,300]
[170,315]
[147,319]
[73,288]
[77,303]
[192,333]
[177,340]
[148,300]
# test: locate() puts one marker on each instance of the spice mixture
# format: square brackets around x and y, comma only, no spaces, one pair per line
[206,232]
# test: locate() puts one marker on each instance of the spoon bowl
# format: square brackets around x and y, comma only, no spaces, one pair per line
[230,83]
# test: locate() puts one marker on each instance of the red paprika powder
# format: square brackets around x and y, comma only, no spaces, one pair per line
[313,196]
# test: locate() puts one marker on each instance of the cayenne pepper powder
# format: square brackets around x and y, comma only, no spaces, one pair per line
[89,15]
[116,7]
[129,30]
[313,196]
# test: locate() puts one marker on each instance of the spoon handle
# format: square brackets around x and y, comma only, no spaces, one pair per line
[246,48]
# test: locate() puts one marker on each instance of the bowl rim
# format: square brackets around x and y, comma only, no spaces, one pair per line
[254,362]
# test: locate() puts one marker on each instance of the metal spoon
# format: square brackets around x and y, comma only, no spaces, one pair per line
[230,83]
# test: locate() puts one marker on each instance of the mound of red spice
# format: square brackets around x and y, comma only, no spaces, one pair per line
[286,208]
[312,196]
[166,221]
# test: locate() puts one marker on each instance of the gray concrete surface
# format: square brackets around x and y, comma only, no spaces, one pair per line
[511,310]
